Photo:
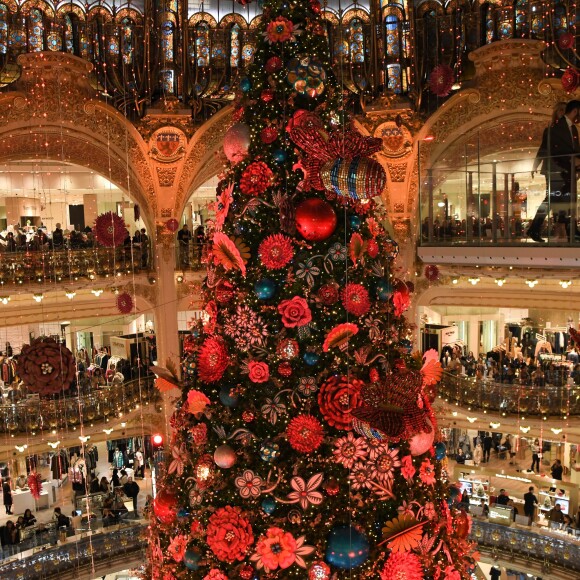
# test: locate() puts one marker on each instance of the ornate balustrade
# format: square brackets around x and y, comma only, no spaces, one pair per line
[510,399]
[549,550]
[34,415]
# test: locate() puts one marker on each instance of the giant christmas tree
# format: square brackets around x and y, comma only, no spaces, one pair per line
[304,445]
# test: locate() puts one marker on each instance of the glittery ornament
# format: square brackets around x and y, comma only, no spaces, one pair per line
[307,76]
[565,41]
[358,178]
[269,451]
[319,571]
[315,219]
[237,142]
[267,95]
[248,416]
[285,369]
[570,80]
[274,64]
[269,135]
[441,80]
[288,349]
[224,292]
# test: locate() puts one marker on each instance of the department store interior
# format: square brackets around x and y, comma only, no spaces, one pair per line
[80,140]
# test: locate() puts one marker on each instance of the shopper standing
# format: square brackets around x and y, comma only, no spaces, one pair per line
[536,453]
[7,495]
[530,501]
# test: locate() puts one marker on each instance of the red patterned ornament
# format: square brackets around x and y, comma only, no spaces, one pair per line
[372,248]
[35,484]
[273,64]
[256,178]
[246,573]
[213,360]
[267,95]
[172,225]
[319,571]
[165,506]
[315,219]
[285,369]
[570,80]
[441,80]
[331,487]
[565,41]
[288,349]
[328,294]
[125,303]
[248,416]
[224,292]
[432,272]
[110,229]
[305,433]
[268,135]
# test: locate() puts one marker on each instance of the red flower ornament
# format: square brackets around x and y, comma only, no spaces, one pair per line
[229,534]
[213,360]
[125,303]
[441,80]
[305,433]
[337,397]
[295,312]
[259,372]
[110,229]
[256,178]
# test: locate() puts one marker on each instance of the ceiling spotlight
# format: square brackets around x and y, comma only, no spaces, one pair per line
[21,448]
[454,413]
[97,292]
[54,445]
[70,294]
[471,419]
[455,280]
[556,431]
[500,282]
[531,283]
[525,429]
[565,283]
[38,297]
[4,299]
[123,424]
[84,439]
[494,425]
[473,280]
[180,279]
[108,431]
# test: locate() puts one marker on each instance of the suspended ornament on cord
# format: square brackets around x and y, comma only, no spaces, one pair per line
[46,367]
[570,80]
[35,484]
[565,41]
[441,80]
[136,212]
[432,273]
[172,225]
[110,229]
[237,142]
[125,303]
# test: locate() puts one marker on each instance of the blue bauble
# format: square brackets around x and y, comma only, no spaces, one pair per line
[355,222]
[407,345]
[383,290]
[346,548]
[226,397]
[269,451]
[440,451]
[453,495]
[191,559]
[245,84]
[195,332]
[280,156]
[310,358]
[265,289]
[269,505]
[183,513]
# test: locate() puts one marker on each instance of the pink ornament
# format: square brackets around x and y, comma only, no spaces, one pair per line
[421,443]
[237,142]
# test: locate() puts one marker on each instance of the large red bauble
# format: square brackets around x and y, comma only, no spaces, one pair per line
[315,219]
[165,507]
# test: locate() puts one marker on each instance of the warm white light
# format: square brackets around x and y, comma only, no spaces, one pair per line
[525,429]
[84,439]
[455,280]
[97,292]
[565,283]
[70,294]
[556,431]
[54,445]
[454,413]
[500,282]
[531,283]
[21,448]
[494,425]
[123,424]
[4,299]
[474,280]
[471,419]
[108,431]
[38,297]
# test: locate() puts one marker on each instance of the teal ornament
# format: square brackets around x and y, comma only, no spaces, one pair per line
[280,156]
[407,345]
[310,358]
[182,513]
[453,495]
[189,366]
[265,289]
[191,559]
[227,398]
[346,548]
[355,222]
[269,505]
[383,290]
[440,451]
[269,451]
[245,84]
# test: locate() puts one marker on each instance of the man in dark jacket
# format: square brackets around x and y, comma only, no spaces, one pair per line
[131,489]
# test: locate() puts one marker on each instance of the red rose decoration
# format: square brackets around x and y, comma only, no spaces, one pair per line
[213,360]
[355,299]
[229,535]
[46,367]
[295,312]
[336,398]
[570,80]
[110,229]
[328,294]
[259,371]
[256,178]
[305,433]
[268,135]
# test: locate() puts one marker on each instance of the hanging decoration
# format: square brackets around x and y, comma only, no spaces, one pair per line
[441,80]
[46,367]
[570,80]
[110,230]
[432,273]
[172,225]
[125,303]
[35,484]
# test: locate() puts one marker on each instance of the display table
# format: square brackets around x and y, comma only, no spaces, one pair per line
[22,500]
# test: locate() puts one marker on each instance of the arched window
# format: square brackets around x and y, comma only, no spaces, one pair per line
[560,19]
[3,29]
[393,36]
[356,41]
[113,44]
[202,44]
[167,41]
[522,25]
[394,78]
[505,27]
[35,30]
[54,40]
[537,22]
[127,40]
[69,45]
[489,20]
[235,46]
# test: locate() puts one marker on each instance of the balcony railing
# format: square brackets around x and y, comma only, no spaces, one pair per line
[510,399]
[499,203]
[550,549]
[32,415]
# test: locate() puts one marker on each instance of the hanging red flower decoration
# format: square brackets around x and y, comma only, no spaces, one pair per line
[355,299]
[328,294]
[125,303]
[35,484]
[274,64]
[172,225]
[432,273]
[441,80]
[229,535]
[570,80]
[276,251]
[305,433]
[46,367]
[256,178]
[565,41]
[404,565]
[337,397]
[213,360]
[110,229]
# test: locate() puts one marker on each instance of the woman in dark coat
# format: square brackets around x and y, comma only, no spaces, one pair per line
[7,494]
